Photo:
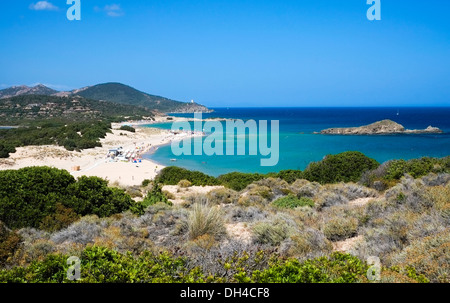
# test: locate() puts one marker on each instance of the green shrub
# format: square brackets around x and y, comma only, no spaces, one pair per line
[146,182]
[91,195]
[29,195]
[128,128]
[415,167]
[343,167]
[103,265]
[155,196]
[290,175]
[6,149]
[172,175]
[337,268]
[292,201]
[238,181]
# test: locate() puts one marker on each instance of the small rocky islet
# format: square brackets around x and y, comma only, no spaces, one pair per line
[379,128]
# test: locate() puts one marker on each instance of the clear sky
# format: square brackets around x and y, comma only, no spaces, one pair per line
[235,52]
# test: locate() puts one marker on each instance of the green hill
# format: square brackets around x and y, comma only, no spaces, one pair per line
[26,109]
[124,94]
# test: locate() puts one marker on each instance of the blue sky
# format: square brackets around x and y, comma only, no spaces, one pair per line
[236,53]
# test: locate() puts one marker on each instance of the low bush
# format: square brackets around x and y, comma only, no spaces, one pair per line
[272,231]
[9,243]
[292,201]
[247,214]
[172,175]
[238,181]
[290,175]
[223,196]
[339,228]
[128,128]
[428,256]
[309,243]
[103,265]
[62,218]
[343,167]
[6,149]
[304,188]
[155,196]
[206,220]
[184,184]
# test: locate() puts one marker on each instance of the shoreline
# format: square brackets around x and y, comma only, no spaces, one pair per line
[94,162]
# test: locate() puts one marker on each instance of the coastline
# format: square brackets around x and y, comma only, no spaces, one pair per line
[94,162]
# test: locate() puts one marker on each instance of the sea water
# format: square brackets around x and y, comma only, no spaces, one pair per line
[299,145]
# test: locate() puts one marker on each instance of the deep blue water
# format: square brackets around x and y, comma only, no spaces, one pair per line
[299,146]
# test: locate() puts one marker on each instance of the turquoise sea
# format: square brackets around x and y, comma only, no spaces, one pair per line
[299,146]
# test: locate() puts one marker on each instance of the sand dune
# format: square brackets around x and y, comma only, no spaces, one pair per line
[93,162]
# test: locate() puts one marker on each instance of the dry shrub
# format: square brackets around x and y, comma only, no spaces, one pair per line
[429,256]
[9,242]
[433,179]
[211,259]
[184,183]
[274,230]
[206,220]
[328,199]
[35,251]
[195,198]
[306,215]
[169,195]
[309,243]
[204,242]
[82,232]
[223,196]
[277,186]
[113,237]
[247,214]
[410,193]
[339,228]
[305,188]
[133,191]
[260,192]
[62,218]
[351,191]
[386,235]
[440,196]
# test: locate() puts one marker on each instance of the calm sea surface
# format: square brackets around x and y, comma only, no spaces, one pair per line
[299,146]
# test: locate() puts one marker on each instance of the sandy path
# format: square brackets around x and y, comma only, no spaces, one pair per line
[180,193]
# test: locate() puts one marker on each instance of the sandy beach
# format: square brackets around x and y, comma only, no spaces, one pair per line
[94,162]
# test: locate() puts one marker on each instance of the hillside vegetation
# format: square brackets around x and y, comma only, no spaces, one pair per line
[73,122]
[271,230]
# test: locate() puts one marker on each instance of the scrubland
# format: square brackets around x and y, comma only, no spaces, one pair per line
[270,230]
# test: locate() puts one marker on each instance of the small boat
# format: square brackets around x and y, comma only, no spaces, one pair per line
[173,160]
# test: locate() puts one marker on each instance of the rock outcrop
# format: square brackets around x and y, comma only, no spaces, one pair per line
[379,128]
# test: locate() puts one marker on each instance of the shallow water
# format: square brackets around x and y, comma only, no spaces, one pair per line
[299,146]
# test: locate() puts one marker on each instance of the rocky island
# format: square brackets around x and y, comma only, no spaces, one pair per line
[379,128]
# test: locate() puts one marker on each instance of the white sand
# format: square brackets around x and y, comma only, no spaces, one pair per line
[93,162]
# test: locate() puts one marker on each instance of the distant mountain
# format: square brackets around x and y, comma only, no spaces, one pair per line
[111,92]
[28,108]
[124,94]
[26,90]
